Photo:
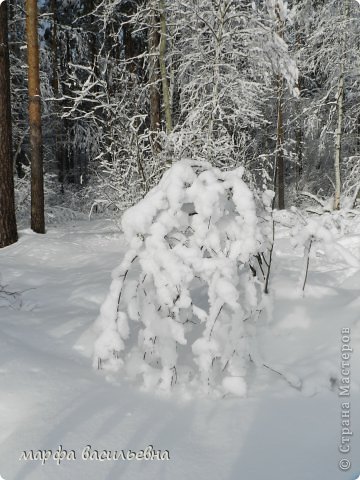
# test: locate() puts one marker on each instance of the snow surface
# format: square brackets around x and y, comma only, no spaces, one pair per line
[287,427]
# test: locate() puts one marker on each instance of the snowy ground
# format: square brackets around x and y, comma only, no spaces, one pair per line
[289,427]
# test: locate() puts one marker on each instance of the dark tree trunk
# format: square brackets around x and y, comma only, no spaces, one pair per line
[299,135]
[280,166]
[154,80]
[37,180]
[299,154]
[8,231]
[59,153]
[129,48]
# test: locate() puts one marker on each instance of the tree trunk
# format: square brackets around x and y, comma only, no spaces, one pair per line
[154,80]
[8,231]
[59,154]
[340,113]
[299,135]
[165,82]
[280,173]
[338,139]
[279,167]
[129,49]
[299,155]
[37,180]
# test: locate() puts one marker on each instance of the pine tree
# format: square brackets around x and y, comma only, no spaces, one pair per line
[37,181]
[8,231]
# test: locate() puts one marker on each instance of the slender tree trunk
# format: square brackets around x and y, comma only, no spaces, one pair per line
[216,70]
[340,110]
[338,137]
[55,76]
[59,154]
[298,129]
[37,179]
[340,113]
[70,147]
[280,171]
[299,155]
[8,231]
[165,82]
[279,167]
[154,80]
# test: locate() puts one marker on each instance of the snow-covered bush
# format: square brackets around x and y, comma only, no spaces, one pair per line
[320,235]
[183,302]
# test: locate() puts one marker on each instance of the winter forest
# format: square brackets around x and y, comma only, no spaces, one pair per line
[179,239]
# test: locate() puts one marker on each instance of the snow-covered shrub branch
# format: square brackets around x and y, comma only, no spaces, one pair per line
[319,235]
[184,299]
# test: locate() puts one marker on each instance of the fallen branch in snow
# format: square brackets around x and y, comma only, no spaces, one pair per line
[294,382]
[13,299]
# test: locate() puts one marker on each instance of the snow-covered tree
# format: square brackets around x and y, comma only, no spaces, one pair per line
[328,57]
[226,54]
[183,302]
